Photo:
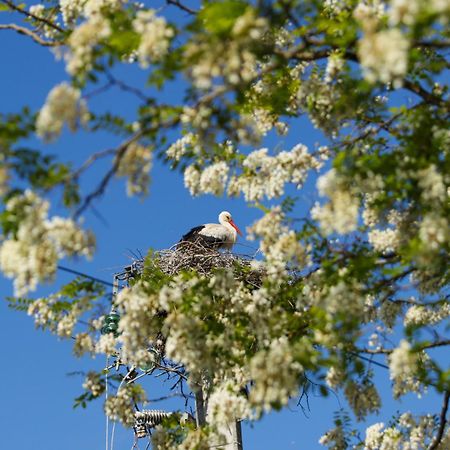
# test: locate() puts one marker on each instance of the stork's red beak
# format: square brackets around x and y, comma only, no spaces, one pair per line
[235,227]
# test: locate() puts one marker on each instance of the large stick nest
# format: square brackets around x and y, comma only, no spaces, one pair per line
[193,256]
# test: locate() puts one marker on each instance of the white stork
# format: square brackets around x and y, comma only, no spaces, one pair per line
[215,235]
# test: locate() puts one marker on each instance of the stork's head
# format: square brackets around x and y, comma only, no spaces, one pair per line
[225,217]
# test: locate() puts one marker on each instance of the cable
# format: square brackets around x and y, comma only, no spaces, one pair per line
[372,361]
[106,398]
[75,272]
[117,393]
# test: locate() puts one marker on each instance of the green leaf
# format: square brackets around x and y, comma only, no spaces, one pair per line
[219,17]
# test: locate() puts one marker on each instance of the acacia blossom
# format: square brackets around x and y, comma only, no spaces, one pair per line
[32,255]
[340,214]
[135,165]
[155,37]
[63,105]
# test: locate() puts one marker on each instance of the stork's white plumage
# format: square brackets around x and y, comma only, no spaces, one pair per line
[215,235]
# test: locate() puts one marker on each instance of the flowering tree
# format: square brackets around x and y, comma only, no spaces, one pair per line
[370,261]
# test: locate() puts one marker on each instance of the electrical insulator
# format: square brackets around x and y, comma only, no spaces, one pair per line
[146,419]
[111,324]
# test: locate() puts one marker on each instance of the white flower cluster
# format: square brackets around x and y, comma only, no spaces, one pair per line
[197,439]
[71,10]
[384,241]
[334,7]
[83,344]
[388,313]
[363,398]
[95,7]
[121,406]
[407,11]
[232,60]
[212,180]
[82,43]
[335,64]
[198,117]
[265,176]
[226,405]
[138,324]
[93,384]
[403,366]
[189,142]
[409,434]
[334,439]
[48,314]
[434,231]
[136,165]
[186,342]
[432,184]
[32,254]
[335,377]
[155,37]
[318,98]
[38,10]
[63,105]
[66,324]
[369,12]
[426,315]
[340,214]
[42,311]
[275,375]
[279,244]
[106,344]
[342,300]
[384,56]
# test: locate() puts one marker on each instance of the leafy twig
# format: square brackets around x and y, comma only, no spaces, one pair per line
[27,32]
[23,11]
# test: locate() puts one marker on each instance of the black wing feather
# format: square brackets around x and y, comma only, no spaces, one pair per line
[194,235]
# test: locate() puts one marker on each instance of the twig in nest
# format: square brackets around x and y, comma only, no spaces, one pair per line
[193,256]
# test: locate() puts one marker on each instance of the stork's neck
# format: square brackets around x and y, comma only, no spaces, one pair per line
[229,227]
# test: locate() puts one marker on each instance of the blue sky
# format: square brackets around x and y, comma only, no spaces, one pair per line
[37,394]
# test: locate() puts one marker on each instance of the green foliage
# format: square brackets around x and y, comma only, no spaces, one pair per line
[313,306]
[218,18]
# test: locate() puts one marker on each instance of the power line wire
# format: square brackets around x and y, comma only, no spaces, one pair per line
[81,274]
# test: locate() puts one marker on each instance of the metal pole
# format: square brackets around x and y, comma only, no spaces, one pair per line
[232,432]
[200,415]
[233,436]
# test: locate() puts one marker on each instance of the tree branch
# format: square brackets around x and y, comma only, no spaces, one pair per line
[179,5]
[126,87]
[27,32]
[387,351]
[417,89]
[23,11]
[120,153]
[442,422]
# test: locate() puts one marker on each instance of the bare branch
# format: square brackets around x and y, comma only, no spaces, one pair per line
[98,192]
[126,87]
[433,44]
[23,11]
[94,157]
[120,153]
[421,92]
[27,32]
[387,351]
[180,5]
[442,422]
